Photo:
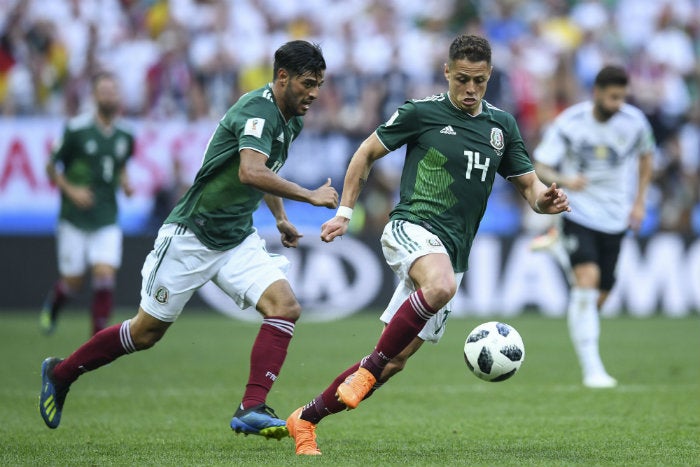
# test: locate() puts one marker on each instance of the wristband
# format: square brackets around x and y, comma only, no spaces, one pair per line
[344,211]
[537,209]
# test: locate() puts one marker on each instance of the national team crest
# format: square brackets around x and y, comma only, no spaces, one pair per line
[497,139]
[91,147]
[162,295]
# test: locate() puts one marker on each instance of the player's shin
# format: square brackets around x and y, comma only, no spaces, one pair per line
[584,329]
[266,358]
[103,348]
[398,334]
[102,303]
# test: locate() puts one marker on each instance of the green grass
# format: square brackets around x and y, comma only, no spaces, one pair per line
[171,405]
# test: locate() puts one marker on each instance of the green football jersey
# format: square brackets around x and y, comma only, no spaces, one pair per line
[218,207]
[450,167]
[94,158]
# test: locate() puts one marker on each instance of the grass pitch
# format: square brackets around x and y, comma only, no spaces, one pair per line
[171,405]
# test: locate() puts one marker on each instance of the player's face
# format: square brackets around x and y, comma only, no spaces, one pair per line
[608,100]
[467,83]
[299,92]
[107,97]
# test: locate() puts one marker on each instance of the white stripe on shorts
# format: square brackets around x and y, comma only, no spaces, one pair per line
[399,232]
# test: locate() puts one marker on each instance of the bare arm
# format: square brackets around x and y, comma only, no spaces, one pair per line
[549,175]
[290,235]
[356,176]
[358,170]
[125,183]
[254,172]
[645,174]
[542,199]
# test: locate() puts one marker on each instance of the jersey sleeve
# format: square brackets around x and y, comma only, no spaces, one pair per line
[516,160]
[647,142]
[61,150]
[131,147]
[401,127]
[253,125]
[552,148]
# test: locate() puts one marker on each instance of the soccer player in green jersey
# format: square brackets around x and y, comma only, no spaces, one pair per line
[88,166]
[455,144]
[209,236]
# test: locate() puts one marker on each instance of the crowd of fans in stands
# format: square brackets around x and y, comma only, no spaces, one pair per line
[191,59]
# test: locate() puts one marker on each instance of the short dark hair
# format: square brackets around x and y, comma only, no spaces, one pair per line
[299,57]
[102,75]
[611,75]
[470,47]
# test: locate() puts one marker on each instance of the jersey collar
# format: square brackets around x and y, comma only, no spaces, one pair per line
[462,112]
[274,99]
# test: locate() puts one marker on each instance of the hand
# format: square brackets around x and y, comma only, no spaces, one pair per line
[81,196]
[127,189]
[553,201]
[637,216]
[575,183]
[325,195]
[290,235]
[335,227]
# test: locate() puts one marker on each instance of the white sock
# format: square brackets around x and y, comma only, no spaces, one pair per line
[584,329]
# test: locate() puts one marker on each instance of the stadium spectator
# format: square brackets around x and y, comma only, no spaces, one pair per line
[169,81]
[678,179]
[547,53]
[88,166]
[592,150]
[456,144]
[209,236]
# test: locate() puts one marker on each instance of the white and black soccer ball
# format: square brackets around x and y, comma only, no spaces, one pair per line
[494,351]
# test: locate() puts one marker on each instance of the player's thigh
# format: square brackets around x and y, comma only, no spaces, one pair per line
[580,243]
[403,243]
[610,246]
[177,266]
[250,270]
[410,250]
[105,247]
[71,249]
[434,274]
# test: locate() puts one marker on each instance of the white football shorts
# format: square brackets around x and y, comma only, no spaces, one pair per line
[79,249]
[179,264]
[402,244]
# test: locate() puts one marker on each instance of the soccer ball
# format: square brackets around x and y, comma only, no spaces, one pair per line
[494,351]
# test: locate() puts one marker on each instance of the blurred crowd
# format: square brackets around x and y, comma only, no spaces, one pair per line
[191,59]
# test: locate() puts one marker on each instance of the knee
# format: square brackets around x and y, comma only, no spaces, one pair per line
[440,293]
[103,282]
[279,300]
[289,310]
[280,305]
[72,285]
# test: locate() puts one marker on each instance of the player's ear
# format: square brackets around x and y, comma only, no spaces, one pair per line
[447,71]
[282,77]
